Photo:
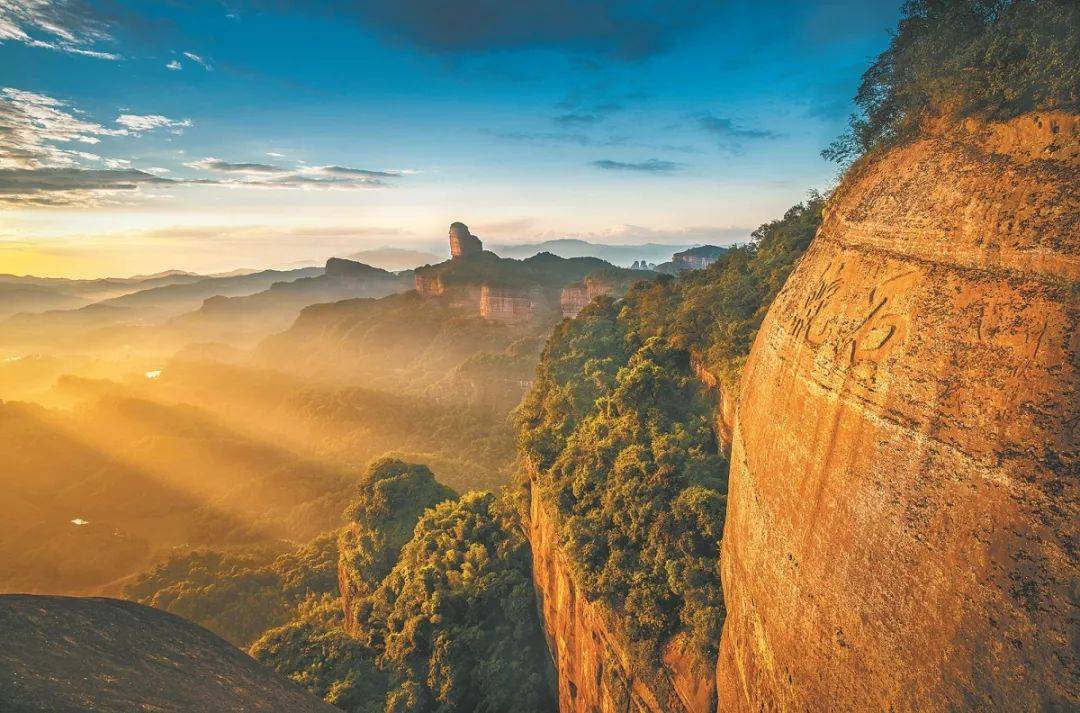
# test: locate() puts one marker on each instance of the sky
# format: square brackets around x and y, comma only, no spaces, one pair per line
[210,135]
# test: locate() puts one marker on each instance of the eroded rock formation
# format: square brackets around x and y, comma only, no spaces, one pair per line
[462,242]
[901,528]
[576,297]
[505,305]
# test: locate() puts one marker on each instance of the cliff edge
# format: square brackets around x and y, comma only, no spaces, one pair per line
[903,504]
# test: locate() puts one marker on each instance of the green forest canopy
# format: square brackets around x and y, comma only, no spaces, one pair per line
[990,58]
[619,433]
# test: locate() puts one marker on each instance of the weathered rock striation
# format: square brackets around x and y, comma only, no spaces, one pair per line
[903,505]
[505,305]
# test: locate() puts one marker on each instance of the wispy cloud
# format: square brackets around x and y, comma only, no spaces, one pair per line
[198,59]
[265,175]
[59,25]
[729,135]
[218,166]
[31,125]
[148,122]
[36,130]
[582,115]
[68,186]
[653,165]
[174,65]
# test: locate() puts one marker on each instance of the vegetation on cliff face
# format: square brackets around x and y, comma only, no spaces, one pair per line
[990,58]
[440,613]
[619,433]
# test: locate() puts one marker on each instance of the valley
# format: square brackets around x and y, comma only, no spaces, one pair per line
[830,466]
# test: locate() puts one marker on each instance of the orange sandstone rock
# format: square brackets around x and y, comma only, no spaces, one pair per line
[903,507]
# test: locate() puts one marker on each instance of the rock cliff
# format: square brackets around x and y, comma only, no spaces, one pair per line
[597,669]
[505,305]
[462,242]
[901,528]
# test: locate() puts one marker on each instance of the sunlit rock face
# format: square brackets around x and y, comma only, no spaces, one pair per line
[462,242]
[508,306]
[576,297]
[901,528]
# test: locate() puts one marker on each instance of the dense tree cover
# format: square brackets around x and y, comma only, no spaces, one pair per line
[450,625]
[315,651]
[455,622]
[992,58]
[618,433]
[239,596]
[381,520]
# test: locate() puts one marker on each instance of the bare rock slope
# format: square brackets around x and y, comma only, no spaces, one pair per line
[903,507]
[76,654]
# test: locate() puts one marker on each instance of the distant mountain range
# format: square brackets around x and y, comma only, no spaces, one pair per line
[395,259]
[623,255]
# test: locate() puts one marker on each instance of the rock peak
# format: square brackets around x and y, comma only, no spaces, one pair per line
[462,242]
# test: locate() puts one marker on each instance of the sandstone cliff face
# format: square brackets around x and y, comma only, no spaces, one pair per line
[596,668]
[901,528]
[504,305]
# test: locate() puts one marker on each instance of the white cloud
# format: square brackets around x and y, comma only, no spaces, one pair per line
[174,65]
[58,25]
[200,60]
[31,126]
[264,175]
[148,122]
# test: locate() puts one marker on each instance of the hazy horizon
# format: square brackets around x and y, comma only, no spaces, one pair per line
[209,137]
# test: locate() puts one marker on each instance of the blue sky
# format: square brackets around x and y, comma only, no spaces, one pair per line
[219,134]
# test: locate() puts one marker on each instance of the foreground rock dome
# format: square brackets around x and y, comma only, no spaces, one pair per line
[901,529]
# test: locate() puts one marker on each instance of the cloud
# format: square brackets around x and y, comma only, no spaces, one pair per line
[653,165]
[147,122]
[40,167]
[729,135]
[174,65]
[354,172]
[585,115]
[68,186]
[59,25]
[264,175]
[219,166]
[622,29]
[199,60]
[37,130]
[32,124]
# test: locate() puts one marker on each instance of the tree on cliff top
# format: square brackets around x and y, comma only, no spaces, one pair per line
[381,519]
[991,58]
[455,622]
